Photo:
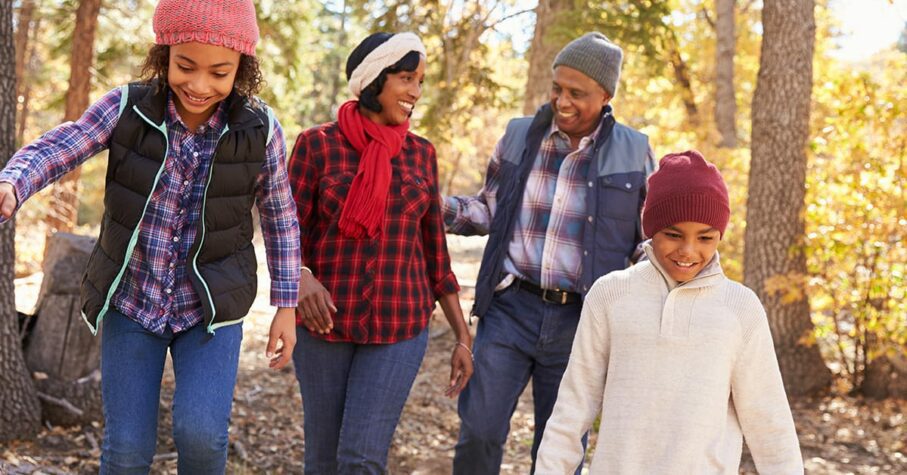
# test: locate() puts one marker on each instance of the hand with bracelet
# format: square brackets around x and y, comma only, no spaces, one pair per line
[461,362]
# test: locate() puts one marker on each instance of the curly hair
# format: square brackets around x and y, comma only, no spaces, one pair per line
[248,75]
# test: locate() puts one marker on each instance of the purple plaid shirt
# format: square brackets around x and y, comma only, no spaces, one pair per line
[155,289]
[547,242]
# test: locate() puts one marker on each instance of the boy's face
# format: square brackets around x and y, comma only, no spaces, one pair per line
[683,249]
[201,75]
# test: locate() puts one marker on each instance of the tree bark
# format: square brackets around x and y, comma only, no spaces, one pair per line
[682,76]
[23,83]
[777,186]
[23,28]
[542,51]
[64,210]
[725,103]
[20,412]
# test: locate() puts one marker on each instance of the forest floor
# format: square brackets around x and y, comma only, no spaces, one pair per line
[838,434]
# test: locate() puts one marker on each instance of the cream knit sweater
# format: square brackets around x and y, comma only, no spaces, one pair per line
[680,374]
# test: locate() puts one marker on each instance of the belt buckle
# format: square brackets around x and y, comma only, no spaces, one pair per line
[562,300]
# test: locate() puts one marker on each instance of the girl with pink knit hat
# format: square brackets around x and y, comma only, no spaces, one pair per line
[676,358]
[191,149]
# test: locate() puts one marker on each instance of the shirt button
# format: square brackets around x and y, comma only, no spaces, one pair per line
[195,154]
[182,211]
[177,238]
[585,253]
[168,291]
[628,186]
[173,265]
[185,182]
[590,184]
[589,219]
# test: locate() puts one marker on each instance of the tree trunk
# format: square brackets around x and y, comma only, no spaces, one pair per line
[725,104]
[542,51]
[23,83]
[64,210]
[682,76]
[20,413]
[23,28]
[777,185]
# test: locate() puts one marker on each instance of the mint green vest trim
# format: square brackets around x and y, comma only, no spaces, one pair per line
[124,98]
[201,219]
[215,326]
[93,329]
[162,128]
[270,126]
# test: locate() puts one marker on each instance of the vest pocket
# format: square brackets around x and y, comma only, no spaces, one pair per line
[619,195]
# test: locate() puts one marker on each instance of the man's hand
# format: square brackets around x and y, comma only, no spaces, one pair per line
[283,328]
[8,201]
[315,304]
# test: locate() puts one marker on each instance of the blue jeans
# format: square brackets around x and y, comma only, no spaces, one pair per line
[352,398]
[132,365]
[521,336]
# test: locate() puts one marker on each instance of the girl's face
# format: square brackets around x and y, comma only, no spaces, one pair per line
[200,75]
[683,249]
[399,96]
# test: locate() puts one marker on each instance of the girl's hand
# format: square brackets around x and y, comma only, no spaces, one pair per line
[461,368]
[8,201]
[283,328]
[315,304]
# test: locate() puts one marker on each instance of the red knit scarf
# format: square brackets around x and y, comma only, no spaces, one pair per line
[363,213]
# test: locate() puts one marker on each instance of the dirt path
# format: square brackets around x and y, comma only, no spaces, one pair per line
[839,435]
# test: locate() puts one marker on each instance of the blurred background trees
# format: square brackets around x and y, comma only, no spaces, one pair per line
[689,80]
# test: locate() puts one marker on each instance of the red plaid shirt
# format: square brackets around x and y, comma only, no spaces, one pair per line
[385,288]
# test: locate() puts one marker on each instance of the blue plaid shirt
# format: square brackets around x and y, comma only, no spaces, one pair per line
[156,290]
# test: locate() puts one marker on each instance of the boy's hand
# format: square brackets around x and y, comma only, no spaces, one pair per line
[283,328]
[315,304]
[8,201]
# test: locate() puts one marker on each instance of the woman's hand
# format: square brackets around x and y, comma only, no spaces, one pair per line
[315,304]
[461,363]
[461,368]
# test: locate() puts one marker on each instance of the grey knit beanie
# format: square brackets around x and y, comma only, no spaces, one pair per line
[594,55]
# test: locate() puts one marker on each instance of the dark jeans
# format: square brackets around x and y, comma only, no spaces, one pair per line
[352,398]
[132,365]
[520,337]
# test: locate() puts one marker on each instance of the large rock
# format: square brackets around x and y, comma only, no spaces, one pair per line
[60,347]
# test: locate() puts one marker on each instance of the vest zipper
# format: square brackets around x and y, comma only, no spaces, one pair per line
[133,240]
[211,326]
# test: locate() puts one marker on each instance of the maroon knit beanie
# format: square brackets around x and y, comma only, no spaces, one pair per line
[685,187]
[227,23]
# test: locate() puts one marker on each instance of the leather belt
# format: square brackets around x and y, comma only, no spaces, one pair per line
[560,297]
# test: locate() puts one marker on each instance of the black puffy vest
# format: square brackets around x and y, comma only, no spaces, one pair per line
[221,261]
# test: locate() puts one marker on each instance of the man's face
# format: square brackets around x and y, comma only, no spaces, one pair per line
[577,101]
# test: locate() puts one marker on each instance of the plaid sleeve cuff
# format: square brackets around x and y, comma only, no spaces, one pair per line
[447,285]
[284,293]
[449,208]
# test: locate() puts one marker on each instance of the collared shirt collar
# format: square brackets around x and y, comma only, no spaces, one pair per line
[588,140]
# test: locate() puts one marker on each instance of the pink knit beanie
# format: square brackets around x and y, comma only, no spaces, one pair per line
[227,23]
[685,187]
